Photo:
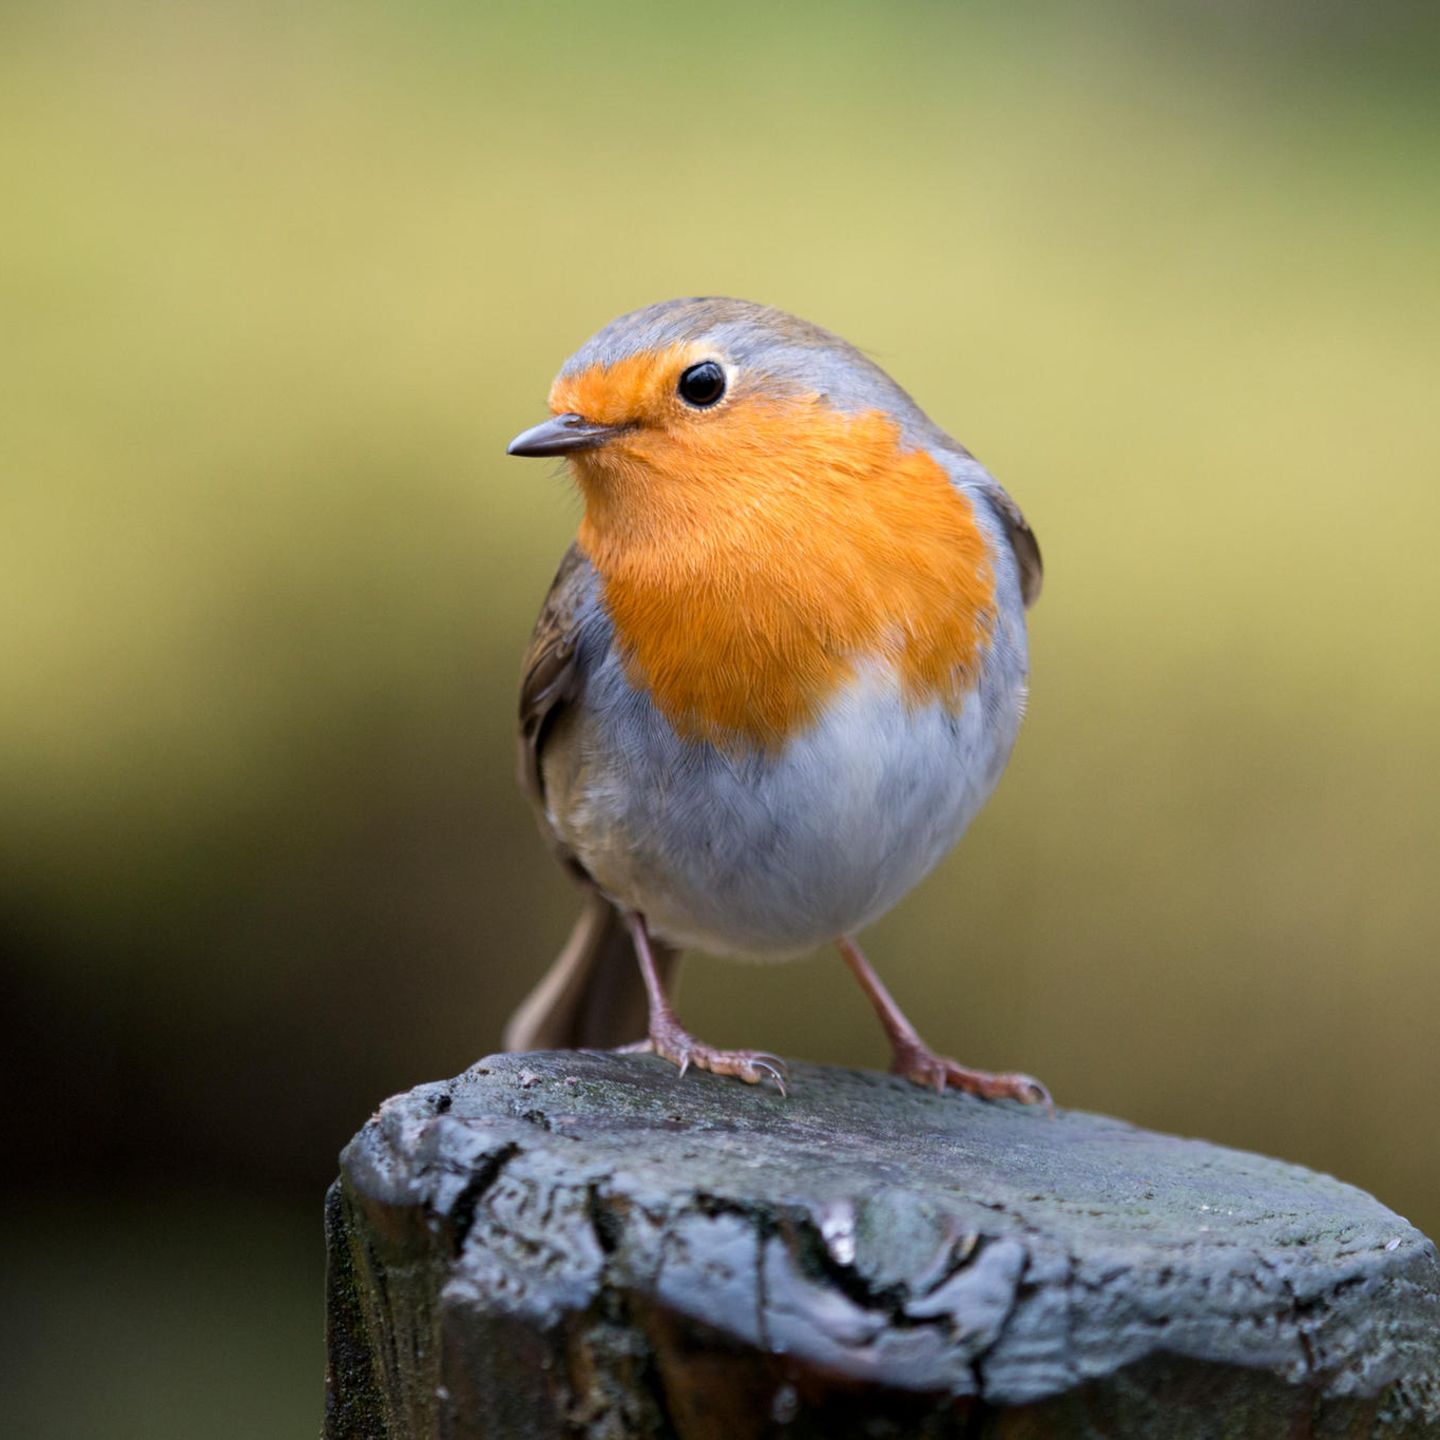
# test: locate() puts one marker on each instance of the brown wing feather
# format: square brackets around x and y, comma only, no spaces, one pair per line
[1017,528]
[592,994]
[1022,542]
[550,677]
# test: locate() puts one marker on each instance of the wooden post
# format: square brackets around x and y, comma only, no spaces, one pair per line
[586,1245]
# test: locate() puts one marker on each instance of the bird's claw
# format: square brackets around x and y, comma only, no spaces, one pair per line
[923,1067]
[771,1067]
[681,1049]
[751,1066]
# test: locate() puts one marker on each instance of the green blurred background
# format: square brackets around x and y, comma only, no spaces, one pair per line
[278,282]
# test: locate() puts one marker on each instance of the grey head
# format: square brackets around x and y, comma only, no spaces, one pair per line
[763,347]
[771,352]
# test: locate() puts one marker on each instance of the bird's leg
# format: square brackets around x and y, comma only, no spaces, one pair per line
[916,1061]
[670,1039]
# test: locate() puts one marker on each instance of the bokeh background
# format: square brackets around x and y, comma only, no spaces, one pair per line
[277,283]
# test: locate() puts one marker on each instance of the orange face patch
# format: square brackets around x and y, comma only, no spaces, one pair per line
[755,554]
[637,390]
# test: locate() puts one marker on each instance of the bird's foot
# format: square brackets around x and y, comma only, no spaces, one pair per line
[670,1040]
[920,1064]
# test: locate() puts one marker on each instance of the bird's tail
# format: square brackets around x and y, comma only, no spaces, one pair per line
[593,996]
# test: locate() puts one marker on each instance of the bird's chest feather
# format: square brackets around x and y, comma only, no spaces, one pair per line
[772,851]
[751,609]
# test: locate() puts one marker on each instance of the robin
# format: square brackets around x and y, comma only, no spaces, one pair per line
[778,673]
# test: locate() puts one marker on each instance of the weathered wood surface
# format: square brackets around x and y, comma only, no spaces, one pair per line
[585,1245]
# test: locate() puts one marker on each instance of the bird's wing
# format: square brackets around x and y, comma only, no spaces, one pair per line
[551,676]
[970,471]
[593,994]
[1022,540]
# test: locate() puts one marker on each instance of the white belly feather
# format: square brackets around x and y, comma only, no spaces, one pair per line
[769,856]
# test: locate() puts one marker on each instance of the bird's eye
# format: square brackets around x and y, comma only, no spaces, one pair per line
[702,384]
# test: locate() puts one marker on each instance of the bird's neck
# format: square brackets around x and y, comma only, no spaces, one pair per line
[742,602]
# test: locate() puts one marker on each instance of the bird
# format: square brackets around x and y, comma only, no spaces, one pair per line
[779,670]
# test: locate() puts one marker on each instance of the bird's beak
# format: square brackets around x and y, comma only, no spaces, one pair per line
[560,435]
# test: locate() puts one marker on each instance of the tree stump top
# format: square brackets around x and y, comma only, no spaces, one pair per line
[976,1257]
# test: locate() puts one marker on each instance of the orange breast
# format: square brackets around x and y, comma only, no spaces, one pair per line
[753,558]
